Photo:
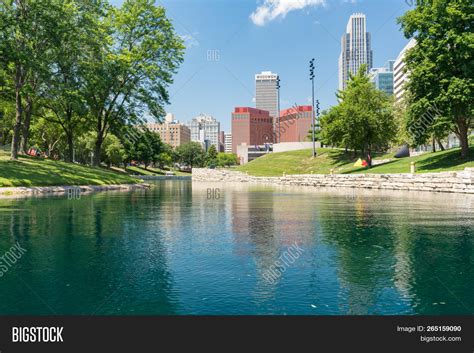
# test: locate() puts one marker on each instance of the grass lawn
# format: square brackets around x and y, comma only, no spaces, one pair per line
[29,171]
[301,162]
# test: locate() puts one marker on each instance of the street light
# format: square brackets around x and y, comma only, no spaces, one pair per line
[278,89]
[311,77]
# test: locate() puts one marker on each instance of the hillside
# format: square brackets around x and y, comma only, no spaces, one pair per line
[29,171]
[301,162]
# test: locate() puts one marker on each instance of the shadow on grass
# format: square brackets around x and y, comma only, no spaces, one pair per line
[445,161]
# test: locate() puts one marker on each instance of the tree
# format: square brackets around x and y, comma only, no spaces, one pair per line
[7,115]
[165,160]
[47,137]
[227,159]
[130,75]
[73,45]
[211,156]
[191,154]
[26,29]
[363,121]
[441,68]
[114,151]
[166,156]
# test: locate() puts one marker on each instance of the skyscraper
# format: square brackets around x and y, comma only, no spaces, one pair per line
[267,92]
[356,49]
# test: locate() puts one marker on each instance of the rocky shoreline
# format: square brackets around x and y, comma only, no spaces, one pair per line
[447,182]
[41,190]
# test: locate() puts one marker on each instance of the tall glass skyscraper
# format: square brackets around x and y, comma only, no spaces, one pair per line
[356,49]
[267,93]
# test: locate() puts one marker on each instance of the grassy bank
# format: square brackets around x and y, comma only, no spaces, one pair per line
[28,171]
[301,162]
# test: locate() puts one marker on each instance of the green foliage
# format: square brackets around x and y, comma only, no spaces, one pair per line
[165,160]
[131,74]
[85,66]
[211,157]
[441,69]
[363,121]
[227,159]
[191,154]
[114,152]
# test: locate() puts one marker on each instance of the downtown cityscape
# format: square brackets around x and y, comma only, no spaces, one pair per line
[250,168]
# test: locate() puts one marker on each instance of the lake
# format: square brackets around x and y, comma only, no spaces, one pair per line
[238,249]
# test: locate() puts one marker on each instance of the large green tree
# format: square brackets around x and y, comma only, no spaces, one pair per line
[211,156]
[191,154]
[64,94]
[26,30]
[441,68]
[363,121]
[129,77]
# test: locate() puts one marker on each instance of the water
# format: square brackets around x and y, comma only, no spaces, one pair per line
[175,249]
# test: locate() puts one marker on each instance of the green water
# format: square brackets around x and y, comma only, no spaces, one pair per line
[178,249]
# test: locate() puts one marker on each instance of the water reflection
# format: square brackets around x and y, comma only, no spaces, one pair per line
[174,250]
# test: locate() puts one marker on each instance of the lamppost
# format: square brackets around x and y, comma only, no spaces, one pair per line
[278,89]
[318,126]
[311,77]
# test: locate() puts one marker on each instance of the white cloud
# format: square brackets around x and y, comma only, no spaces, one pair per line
[272,9]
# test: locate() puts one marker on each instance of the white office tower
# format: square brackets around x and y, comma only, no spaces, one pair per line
[267,92]
[205,129]
[400,75]
[356,49]
[228,142]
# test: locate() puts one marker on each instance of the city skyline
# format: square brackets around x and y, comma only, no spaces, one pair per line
[225,49]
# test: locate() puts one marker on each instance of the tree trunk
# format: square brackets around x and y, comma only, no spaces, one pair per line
[433,143]
[70,147]
[97,151]
[26,125]
[441,146]
[18,117]
[463,138]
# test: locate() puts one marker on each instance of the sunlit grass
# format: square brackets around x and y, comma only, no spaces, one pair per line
[29,171]
[302,162]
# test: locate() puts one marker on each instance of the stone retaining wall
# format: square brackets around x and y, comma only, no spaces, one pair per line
[452,182]
[37,190]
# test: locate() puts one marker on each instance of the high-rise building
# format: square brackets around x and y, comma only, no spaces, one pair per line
[251,126]
[295,124]
[205,129]
[356,49]
[400,75]
[228,142]
[221,142]
[266,97]
[171,131]
[382,77]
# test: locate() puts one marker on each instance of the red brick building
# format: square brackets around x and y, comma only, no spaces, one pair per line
[295,124]
[251,126]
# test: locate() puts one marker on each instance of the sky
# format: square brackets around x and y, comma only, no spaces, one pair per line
[229,41]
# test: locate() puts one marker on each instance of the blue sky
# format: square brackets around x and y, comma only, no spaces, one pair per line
[281,36]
